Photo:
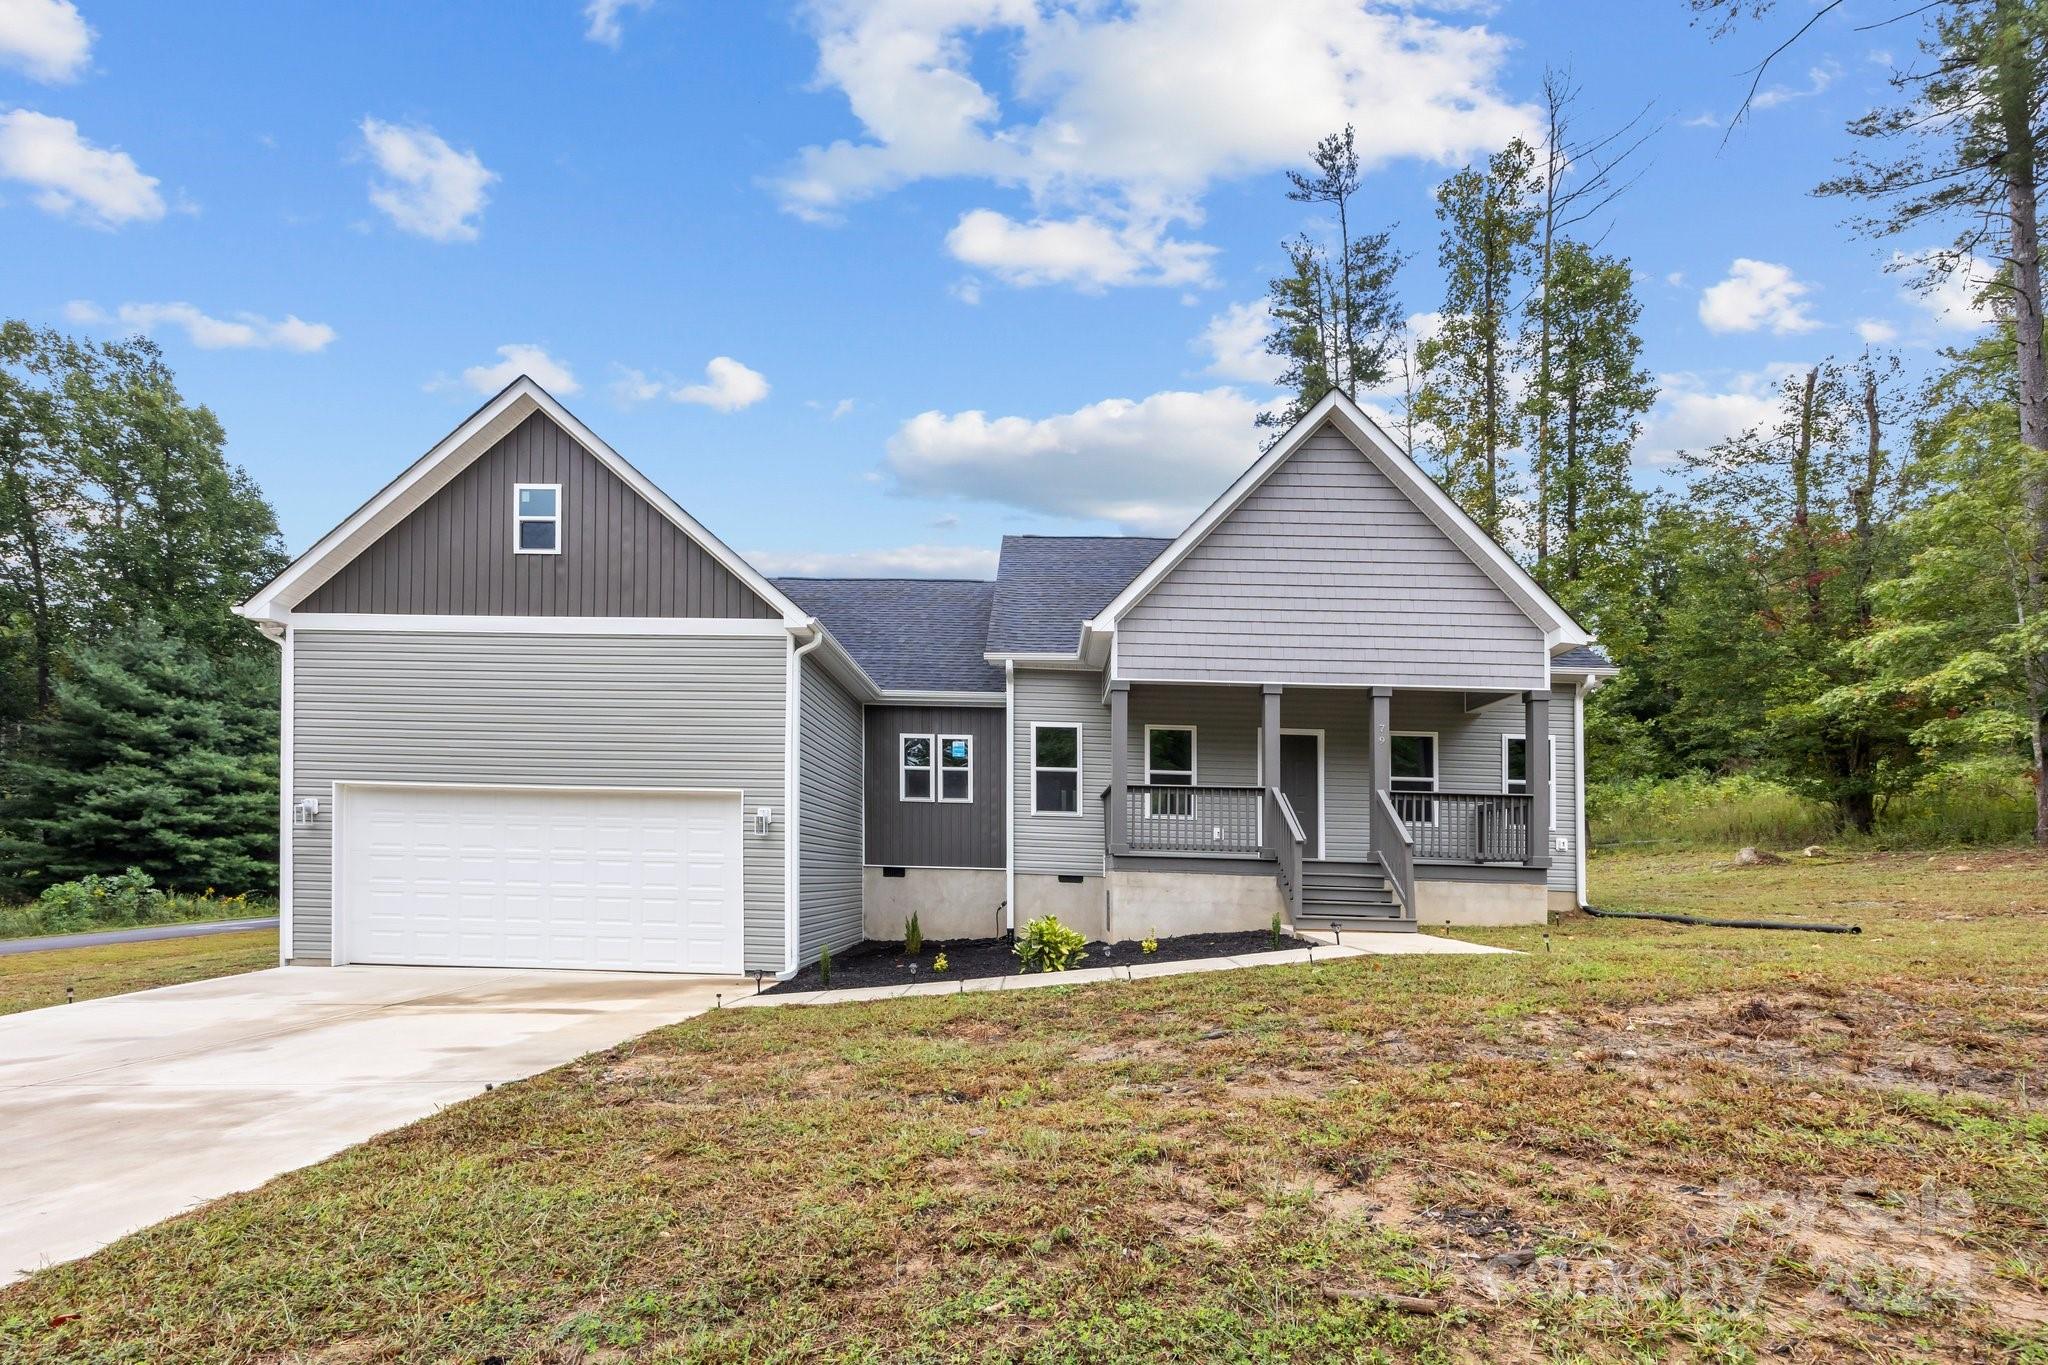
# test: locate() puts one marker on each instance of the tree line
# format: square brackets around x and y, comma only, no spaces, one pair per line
[1850,597]
[138,716]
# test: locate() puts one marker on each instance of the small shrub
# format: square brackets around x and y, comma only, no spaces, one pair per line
[1046,945]
[94,901]
[824,966]
[1274,928]
[1150,943]
[913,936]
[939,963]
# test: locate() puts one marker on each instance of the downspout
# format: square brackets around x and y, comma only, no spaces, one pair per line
[792,734]
[282,635]
[1579,777]
[1009,795]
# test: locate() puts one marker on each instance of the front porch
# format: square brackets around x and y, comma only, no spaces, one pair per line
[1366,806]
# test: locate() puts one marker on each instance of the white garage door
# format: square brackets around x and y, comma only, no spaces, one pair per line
[497,877]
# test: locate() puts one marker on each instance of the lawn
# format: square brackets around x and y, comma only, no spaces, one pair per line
[31,980]
[1643,1142]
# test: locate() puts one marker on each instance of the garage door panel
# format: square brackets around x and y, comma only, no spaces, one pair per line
[532,878]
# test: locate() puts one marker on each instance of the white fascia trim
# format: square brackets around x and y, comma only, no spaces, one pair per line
[1560,631]
[904,697]
[536,625]
[431,472]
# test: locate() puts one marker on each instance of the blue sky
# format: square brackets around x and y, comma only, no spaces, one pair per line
[866,285]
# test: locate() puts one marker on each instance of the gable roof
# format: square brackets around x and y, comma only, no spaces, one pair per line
[1559,629]
[918,634]
[427,475]
[1047,586]
[1584,658]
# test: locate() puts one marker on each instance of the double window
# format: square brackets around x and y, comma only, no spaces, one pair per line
[1514,769]
[935,767]
[1411,770]
[1170,762]
[1055,769]
[537,518]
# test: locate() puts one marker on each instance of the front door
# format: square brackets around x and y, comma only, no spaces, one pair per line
[1301,777]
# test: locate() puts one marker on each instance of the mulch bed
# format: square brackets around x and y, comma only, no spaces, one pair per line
[886,964]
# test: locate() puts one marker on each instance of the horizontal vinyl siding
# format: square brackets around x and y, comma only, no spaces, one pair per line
[1060,843]
[453,555]
[828,813]
[1328,574]
[935,833]
[1469,756]
[540,710]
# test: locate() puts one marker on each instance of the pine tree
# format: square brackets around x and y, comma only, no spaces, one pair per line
[1466,401]
[156,756]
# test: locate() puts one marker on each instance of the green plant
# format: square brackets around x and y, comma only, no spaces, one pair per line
[825,966]
[913,935]
[1046,945]
[129,897]
[939,963]
[1150,943]
[1274,928]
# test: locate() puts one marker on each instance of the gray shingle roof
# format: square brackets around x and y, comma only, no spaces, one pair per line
[1046,586]
[921,633]
[1581,656]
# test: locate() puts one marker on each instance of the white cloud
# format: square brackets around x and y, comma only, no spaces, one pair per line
[1691,414]
[517,359]
[1236,342]
[1700,120]
[602,19]
[1149,464]
[1951,299]
[1818,79]
[728,386]
[1876,331]
[1757,294]
[907,561]
[242,332]
[47,39]
[1084,251]
[428,188]
[1115,119]
[967,290]
[71,177]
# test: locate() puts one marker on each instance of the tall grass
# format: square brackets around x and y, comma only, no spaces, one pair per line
[1964,807]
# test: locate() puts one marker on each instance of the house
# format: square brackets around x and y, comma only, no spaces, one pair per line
[536,715]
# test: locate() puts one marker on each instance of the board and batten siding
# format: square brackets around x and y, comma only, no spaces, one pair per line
[828,814]
[935,833]
[1070,844]
[452,556]
[539,710]
[1327,573]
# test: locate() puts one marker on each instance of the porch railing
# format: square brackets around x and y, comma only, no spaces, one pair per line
[1193,820]
[1466,827]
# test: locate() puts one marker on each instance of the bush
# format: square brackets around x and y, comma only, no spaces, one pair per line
[1046,945]
[825,965]
[119,902]
[913,936]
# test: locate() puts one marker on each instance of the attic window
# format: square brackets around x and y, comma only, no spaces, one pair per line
[537,518]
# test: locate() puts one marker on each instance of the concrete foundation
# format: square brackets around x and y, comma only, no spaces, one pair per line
[950,902]
[1169,903]
[1481,904]
[1079,905]
[1563,902]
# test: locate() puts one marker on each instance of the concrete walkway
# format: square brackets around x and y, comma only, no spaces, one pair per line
[141,933]
[123,1111]
[1328,950]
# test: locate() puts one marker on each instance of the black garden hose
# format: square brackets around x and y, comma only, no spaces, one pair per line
[1726,923]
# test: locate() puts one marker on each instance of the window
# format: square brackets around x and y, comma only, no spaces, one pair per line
[914,759]
[1170,762]
[1514,769]
[956,768]
[1056,769]
[537,518]
[1413,769]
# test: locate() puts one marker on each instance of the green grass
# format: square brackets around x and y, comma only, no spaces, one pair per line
[1962,808]
[31,920]
[1723,1145]
[33,980]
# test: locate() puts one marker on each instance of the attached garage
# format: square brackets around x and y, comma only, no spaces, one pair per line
[509,876]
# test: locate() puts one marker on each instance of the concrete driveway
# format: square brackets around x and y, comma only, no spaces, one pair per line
[123,1111]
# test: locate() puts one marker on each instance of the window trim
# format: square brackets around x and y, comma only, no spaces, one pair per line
[1080,763]
[520,519]
[904,769]
[1505,781]
[1165,809]
[939,770]
[1436,769]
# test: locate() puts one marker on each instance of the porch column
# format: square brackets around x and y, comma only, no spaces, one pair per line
[1269,762]
[1382,753]
[1536,746]
[1119,768]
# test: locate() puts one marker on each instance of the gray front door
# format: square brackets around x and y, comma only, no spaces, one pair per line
[1301,777]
